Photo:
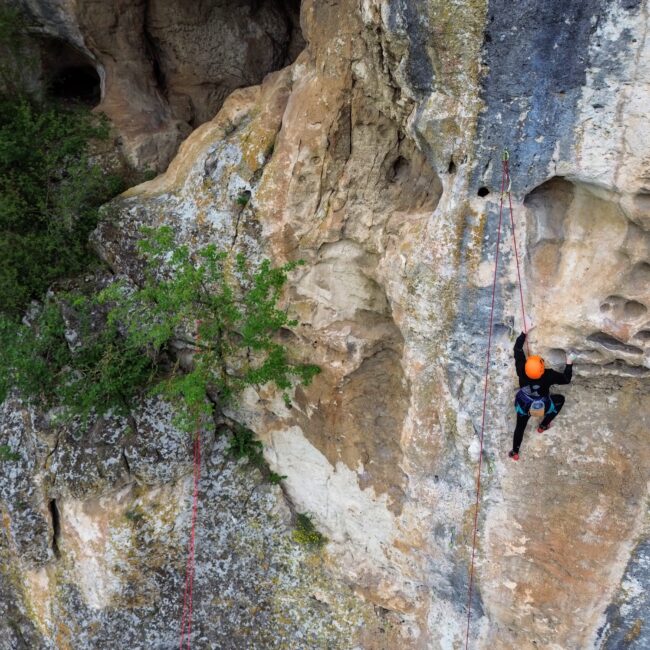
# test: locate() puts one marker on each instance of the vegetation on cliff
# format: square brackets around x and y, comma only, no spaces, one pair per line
[90,353]
[50,190]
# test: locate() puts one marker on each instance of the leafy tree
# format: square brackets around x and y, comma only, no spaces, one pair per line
[94,354]
[50,191]
[218,306]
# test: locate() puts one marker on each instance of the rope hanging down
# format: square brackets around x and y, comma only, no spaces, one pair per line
[188,594]
[505,189]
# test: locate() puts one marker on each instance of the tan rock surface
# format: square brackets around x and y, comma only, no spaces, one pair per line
[364,158]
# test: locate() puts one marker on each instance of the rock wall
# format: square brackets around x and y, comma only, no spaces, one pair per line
[375,157]
[166,66]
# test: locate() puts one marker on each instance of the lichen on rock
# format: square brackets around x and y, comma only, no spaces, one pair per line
[375,156]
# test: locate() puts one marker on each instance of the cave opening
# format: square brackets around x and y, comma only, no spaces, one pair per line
[68,74]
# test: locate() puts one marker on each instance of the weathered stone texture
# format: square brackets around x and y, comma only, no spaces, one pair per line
[364,158]
[167,67]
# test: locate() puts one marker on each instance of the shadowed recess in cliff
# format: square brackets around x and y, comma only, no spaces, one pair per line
[588,266]
[202,52]
[536,55]
[68,74]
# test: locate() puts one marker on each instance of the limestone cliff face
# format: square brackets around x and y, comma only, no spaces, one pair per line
[365,158]
[164,67]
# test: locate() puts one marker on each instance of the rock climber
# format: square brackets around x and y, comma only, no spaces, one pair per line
[533,397]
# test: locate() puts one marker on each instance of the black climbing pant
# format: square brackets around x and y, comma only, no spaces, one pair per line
[522,420]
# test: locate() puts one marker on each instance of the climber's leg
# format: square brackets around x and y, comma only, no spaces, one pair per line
[522,421]
[557,402]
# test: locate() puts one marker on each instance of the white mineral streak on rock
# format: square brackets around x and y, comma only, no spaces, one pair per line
[86,525]
[346,513]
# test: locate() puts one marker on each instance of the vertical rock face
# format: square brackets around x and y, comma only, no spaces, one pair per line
[376,157]
[166,66]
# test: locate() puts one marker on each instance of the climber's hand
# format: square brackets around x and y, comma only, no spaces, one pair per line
[570,358]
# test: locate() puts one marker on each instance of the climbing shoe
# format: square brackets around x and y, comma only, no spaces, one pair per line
[513,454]
[544,427]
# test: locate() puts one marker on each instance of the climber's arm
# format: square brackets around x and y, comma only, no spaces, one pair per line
[520,357]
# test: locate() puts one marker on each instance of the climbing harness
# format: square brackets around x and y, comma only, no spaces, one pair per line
[188,594]
[505,191]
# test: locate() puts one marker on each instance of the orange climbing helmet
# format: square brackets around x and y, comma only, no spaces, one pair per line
[534,367]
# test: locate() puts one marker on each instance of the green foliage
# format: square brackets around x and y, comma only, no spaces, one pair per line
[275,479]
[49,191]
[243,445]
[94,354]
[7,454]
[226,312]
[243,198]
[102,371]
[49,197]
[306,534]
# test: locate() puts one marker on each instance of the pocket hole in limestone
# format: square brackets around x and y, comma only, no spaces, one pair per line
[399,170]
[643,336]
[483,192]
[613,344]
[634,309]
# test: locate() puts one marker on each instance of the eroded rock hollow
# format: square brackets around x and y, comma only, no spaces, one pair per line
[367,137]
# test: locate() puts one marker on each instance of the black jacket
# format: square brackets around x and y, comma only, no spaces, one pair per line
[541,386]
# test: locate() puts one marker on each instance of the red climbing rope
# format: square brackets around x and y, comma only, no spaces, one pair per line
[188,594]
[506,170]
[505,189]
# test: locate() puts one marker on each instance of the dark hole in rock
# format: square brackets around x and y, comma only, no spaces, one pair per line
[56,526]
[634,309]
[483,191]
[643,336]
[611,343]
[452,167]
[399,170]
[69,74]
[80,84]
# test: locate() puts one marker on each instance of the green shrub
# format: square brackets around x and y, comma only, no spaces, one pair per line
[103,372]
[122,338]
[7,454]
[243,198]
[242,444]
[49,191]
[306,534]
[275,479]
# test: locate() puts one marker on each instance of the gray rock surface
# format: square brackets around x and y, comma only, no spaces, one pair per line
[364,158]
